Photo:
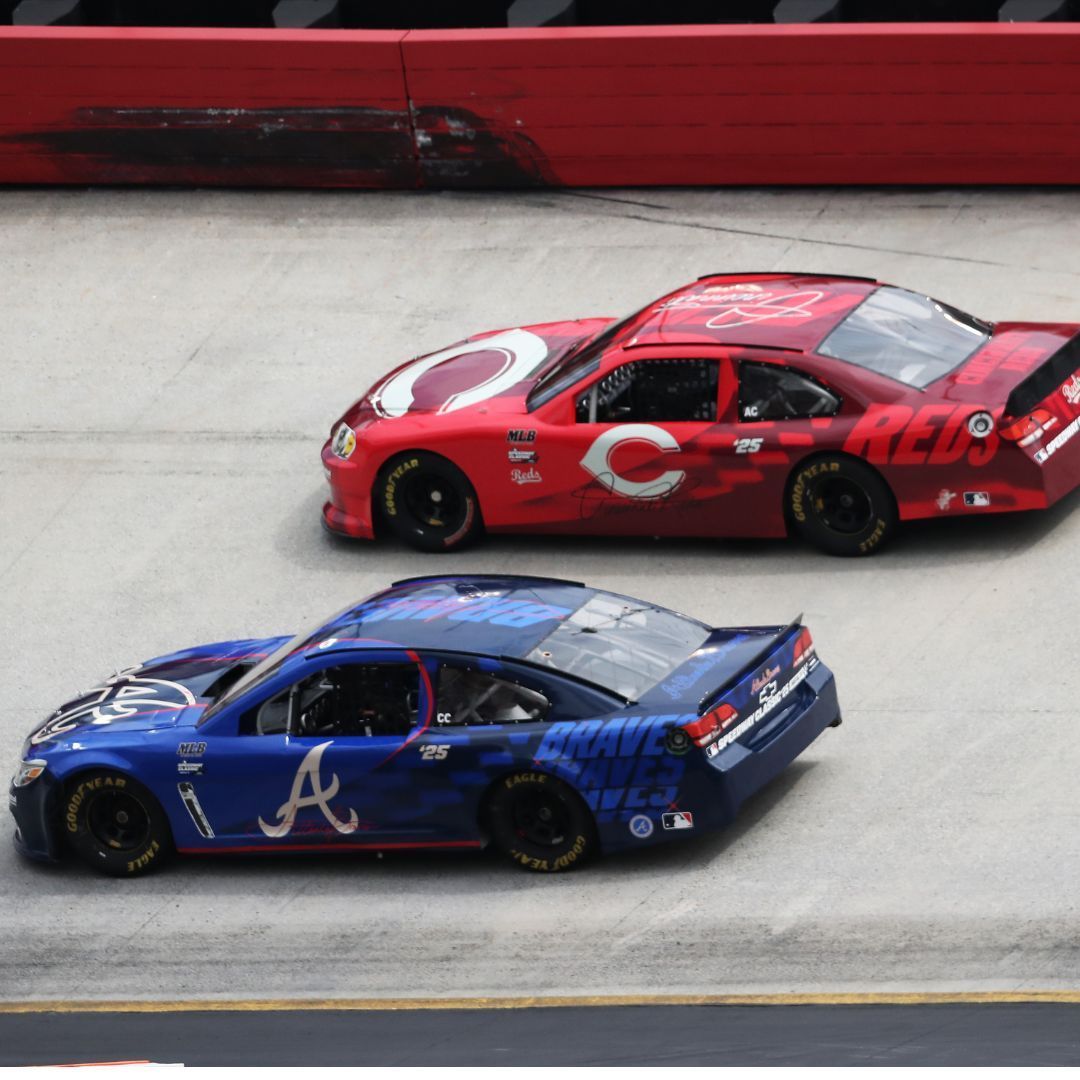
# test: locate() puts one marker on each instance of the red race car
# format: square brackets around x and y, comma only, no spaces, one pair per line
[741,405]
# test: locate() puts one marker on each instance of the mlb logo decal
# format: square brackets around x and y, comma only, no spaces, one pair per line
[680,819]
[976,498]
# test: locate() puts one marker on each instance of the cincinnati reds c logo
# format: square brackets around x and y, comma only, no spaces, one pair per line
[597,461]
[320,797]
[522,353]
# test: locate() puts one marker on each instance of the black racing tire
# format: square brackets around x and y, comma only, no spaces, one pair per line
[114,824]
[540,823]
[428,502]
[841,505]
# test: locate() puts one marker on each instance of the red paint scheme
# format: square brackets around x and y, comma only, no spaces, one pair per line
[917,439]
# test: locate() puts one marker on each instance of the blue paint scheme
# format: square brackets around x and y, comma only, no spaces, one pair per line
[427,786]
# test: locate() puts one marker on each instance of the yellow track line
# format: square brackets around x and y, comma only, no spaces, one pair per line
[962,997]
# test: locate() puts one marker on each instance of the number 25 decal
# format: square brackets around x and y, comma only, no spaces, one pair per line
[434,752]
[748,446]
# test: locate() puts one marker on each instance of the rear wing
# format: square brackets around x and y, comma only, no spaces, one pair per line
[755,661]
[1045,379]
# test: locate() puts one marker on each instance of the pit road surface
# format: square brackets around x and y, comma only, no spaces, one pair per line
[172,363]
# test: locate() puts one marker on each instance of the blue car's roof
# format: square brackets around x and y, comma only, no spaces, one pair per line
[505,615]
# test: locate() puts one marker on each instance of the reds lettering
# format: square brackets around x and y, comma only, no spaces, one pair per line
[932,434]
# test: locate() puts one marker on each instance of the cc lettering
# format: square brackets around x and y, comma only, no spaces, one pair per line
[597,461]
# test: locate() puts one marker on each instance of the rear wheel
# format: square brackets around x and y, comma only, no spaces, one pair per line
[428,502]
[115,825]
[540,823]
[841,506]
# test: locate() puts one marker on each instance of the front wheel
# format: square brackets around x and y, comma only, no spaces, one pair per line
[841,506]
[428,502]
[540,823]
[115,825]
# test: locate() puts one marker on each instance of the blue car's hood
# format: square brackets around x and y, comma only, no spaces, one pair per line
[166,692]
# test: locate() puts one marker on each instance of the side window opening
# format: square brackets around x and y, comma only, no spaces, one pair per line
[354,699]
[468,696]
[771,392]
[652,390]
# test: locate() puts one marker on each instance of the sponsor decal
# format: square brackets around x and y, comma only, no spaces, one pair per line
[767,691]
[1058,441]
[194,808]
[1071,389]
[308,773]
[344,442]
[641,826]
[679,819]
[945,498]
[493,609]
[597,461]
[976,498]
[122,696]
[520,352]
[743,305]
[762,680]
[519,457]
[525,476]
[520,435]
[191,749]
[767,705]
[189,768]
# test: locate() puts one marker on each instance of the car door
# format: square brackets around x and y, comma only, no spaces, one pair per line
[323,761]
[636,454]
[779,415]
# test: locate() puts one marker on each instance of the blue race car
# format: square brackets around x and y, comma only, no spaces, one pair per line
[546,718]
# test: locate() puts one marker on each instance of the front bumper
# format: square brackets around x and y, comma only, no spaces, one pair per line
[348,511]
[36,809]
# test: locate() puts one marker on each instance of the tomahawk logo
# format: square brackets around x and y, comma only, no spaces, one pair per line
[597,461]
[320,797]
[117,698]
[520,351]
[794,305]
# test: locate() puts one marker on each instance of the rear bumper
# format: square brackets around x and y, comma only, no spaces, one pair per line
[746,770]
[36,809]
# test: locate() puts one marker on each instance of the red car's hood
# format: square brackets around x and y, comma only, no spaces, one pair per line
[497,365]
[1012,354]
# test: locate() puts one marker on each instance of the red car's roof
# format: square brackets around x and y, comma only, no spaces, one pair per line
[779,311]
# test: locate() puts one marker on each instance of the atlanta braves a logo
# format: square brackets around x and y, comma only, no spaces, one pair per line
[117,698]
[320,797]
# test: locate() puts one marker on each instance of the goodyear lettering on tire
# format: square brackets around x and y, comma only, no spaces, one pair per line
[390,490]
[798,489]
[78,796]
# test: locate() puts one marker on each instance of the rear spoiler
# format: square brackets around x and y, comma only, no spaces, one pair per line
[1045,379]
[713,696]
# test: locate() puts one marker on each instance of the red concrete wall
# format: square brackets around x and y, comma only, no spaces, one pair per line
[238,107]
[850,104]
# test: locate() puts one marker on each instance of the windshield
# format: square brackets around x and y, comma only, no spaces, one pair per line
[583,359]
[269,664]
[907,337]
[621,644]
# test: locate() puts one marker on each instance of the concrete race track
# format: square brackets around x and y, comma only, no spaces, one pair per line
[171,364]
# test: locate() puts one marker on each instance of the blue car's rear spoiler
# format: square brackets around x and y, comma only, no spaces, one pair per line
[755,661]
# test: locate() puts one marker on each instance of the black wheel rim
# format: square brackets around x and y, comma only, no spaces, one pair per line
[118,821]
[541,818]
[842,505]
[434,501]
